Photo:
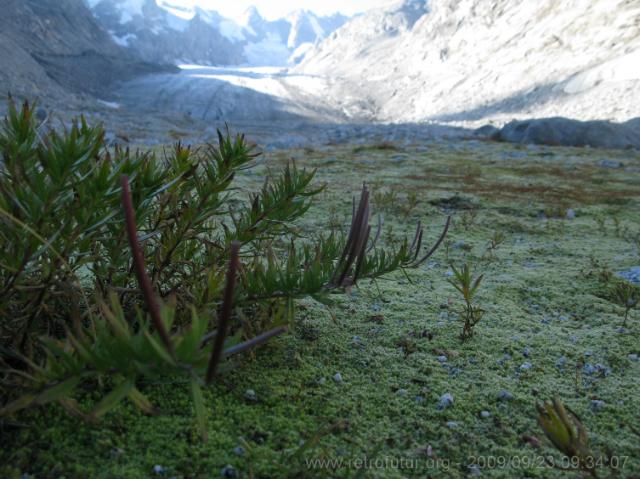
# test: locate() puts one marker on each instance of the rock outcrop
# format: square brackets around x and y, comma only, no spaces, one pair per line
[566,132]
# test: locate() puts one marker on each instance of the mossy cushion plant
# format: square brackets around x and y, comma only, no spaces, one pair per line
[118,266]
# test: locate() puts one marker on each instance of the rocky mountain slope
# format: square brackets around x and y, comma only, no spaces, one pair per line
[161,31]
[475,61]
[54,50]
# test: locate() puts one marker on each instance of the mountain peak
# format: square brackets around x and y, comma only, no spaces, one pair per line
[251,16]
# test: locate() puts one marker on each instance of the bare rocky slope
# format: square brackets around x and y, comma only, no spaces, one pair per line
[55,51]
[473,61]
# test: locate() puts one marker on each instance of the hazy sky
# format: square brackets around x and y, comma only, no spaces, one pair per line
[278,8]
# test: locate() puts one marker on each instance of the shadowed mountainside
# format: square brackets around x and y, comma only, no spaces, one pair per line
[54,50]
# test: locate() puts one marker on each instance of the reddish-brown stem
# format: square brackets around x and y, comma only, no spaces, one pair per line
[138,262]
[435,246]
[225,313]
[255,342]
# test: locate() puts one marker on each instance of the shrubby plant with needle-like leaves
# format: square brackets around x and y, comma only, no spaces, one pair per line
[125,265]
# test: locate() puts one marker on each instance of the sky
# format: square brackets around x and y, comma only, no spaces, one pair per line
[272,9]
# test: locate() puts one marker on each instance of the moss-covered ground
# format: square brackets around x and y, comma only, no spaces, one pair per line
[567,215]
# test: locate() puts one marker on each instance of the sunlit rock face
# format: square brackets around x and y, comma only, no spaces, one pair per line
[166,31]
[478,60]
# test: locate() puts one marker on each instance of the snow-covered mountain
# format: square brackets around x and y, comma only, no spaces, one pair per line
[167,31]
[485,60]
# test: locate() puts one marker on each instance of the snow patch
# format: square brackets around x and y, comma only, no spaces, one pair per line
[129,9]
[123,41]
[270,51]
[182,12]
[231,30]
[109,104]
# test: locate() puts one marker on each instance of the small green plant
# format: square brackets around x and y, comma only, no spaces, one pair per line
[411,203]
[568,435]
[464,282]
[495,241]
[617,225]
[385,200]
[601,223]
[469,219]
[600,270]
[626,295]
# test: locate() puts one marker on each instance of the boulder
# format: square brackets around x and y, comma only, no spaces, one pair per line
[565,132]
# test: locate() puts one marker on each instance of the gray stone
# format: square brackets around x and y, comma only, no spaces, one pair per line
[446,400]
[337,377]
[250,395]
[567,132]
[526,366]
[229,471]
[632,275]
[239,451]
[597,405]
[605,163]
[485,414]
[505,395]
[487,131]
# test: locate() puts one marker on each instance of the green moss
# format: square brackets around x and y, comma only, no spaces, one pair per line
[540,298]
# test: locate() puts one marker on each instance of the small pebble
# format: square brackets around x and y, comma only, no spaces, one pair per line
[474,470]
[505,395]
[571,214]
[158,469]
[322,381]
[445,401]
[459,244]
[228,471]
[606,163]
[597,405]
[633,357]
[442,359]
[560,363]
[526,366]
[250,395]
[526,352]
[239,451]
[452,424]
[485,414]
[337,377]
[402,392]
